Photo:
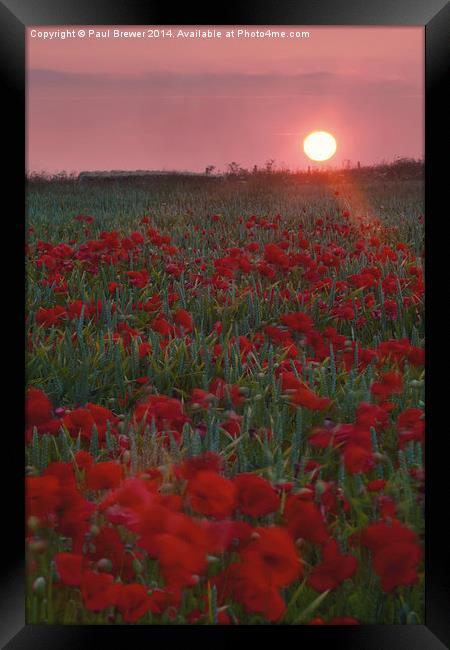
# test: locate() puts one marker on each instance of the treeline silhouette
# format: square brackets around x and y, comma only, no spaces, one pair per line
[401,168]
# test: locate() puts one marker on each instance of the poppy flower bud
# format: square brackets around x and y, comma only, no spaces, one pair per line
[39,546]
[55,576]
[124,442]
[126,456]
[412,618]
[94,530]
[167,488]
[39,586]
[418,474]
[104,565]
[321,487]
[137,567]
[33,523]
[416,383]
[304,492]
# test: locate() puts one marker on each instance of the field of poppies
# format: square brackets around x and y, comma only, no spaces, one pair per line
[225,402]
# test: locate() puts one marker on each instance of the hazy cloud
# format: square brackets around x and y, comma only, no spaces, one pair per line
[170,84]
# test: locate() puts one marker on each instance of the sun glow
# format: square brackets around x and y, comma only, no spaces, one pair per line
[319,146]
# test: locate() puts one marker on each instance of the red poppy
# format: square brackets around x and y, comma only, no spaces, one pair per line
[184,320]
[83,459]
[390,384]
[38,407]
[50,317]
[102,416]
[232,425]
[305,397]
[195,464]
[80,421]
[240,582]
[107,543]
[304,520]
[337,620]
[278,334]
[138,278]
[381,534]
[212,494]
[290,381]
[253,592]
[69,567]
[133,602]
[97,590]
[298,321]
[274,555]
[201,398]
[167,412]
[74,515]
[376,485]
[343,620]
[256,496]
[273,254]
[144,349]
[43,495]
[357,458]
[334,569]
[371,415]
[227,534]
[63,472]
[397,564]
[180,561]
[162,326]
[386,505]
[411,426]
[103,476]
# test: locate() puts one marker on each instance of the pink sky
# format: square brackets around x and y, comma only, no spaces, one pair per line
[98,104]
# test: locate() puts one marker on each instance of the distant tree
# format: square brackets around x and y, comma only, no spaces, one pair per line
[236,171]
[233,168]
[209,170]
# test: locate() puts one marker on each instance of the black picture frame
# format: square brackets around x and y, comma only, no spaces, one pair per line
[15,16]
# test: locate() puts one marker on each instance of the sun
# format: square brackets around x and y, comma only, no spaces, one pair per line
[319,146]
